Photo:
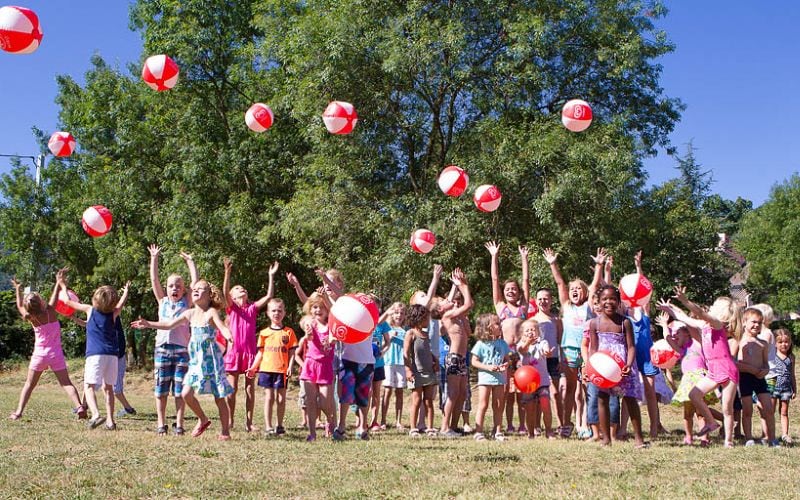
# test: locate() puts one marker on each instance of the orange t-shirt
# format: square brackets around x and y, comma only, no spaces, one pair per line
[275,346]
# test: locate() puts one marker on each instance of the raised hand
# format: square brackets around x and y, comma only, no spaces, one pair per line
[637,259]
[600,258]
[437,271]
[550,256]
[493,248]
[523,251]
[61,276]
[186,256]
[292,279]
[457,277]
[609,262]
[665,306]
[227,263]
[662,320]
[155,250]
[126,286]
[273,268]
[679,292]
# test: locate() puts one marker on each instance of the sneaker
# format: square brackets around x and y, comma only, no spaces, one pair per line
[522,430]
[362,435]
[510,429]
[413,433]
[450,434]
[467,429]
[280,431]
[499,437]
[125,412]
[95,422]
[337,435]
[749,443]
[111,427]
[537,432]
[311,438]
[775,443]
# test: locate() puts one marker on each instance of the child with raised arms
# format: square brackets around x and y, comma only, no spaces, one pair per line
[47,351]
[490,358]
[273,362]
[785,383]
[241,319]
[421,366]
[206,372]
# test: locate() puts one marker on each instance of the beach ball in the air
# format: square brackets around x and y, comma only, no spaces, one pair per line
[423,241]
[20,32]
[353,317]
[635,290]
[340,117]
[604,369]
[259,117]
[662,355]
[96,221]
[487,198]
[160,72]
[61,144]
[576,115]
[453,180]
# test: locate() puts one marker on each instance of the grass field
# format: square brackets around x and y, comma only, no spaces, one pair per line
[49,454]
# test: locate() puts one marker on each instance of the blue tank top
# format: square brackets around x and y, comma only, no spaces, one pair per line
[574,319]
[101,335]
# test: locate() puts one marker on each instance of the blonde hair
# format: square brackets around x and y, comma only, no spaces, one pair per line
[105,299]
[336,276]
[216,300]
[728,311]
[482,326]
[783,332]
[766,310]
[34,303]
[276,300]
[314,299]
[530,321]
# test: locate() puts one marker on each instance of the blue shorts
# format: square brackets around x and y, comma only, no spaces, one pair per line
[271,380]
[572,355]
[643,363]
[122,365]
[171,361]
[355,383]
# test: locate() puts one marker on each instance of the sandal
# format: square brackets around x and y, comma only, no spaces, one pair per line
[707,429]
[499,436]
[178,431]
[95,422]
[642,446]
[224,437]
[432,432]
[201,428]
[479,436]
[80,411]
[414,433]
[162,430]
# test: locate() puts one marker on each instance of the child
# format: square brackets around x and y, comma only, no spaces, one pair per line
[722,318]
[299,359]
[753,368]
[613,332]
[550,329]
[576,311]
[317,374]
[274,361]
[592,391]
[394,367]
[534,351]
[171,353]
[490,357]
[355,382]
[421,366]
[102,348]
[206,372]
[380,342]
[785,383]
[767,336]
[47,352]
[122,366]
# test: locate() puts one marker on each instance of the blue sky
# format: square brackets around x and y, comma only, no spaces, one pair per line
[736,67]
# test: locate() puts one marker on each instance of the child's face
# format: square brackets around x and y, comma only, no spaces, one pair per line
[320,313]
[609,302]
[511,292]
[752,325]
[201,293]
[398,315]
[544,300]
[577,295]
[784,345]
[239,294]
[530,333]
[495,332]
[175,288]
[596,304]
[276,313]
[680,336]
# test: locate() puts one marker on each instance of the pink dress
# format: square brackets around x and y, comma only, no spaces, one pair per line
[47,352]
[242,323]
[318,363]
[721,367]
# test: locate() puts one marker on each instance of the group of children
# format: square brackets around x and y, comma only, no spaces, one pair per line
[424,346]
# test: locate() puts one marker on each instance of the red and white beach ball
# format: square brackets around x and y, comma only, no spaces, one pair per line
[61,305]
[663,355]
[353,317]
[160,72]
[423,240]
[635,290]
[533,308]
[487,198]
[61,144]
[453,180]
[96,221]
[576,115]
[259,117]
[604,369]
[20,32]
[340,117]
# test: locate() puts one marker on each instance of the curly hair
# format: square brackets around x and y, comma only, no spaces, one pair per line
[417,316]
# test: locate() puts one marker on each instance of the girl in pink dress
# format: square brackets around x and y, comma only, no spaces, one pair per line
[47,352]
[317,372]
[722,320]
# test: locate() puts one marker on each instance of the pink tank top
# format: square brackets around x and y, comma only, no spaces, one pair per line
[48,336]
[242,324]
[318,348]
[693,359]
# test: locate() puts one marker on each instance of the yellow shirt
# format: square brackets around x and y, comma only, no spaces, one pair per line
[275,346]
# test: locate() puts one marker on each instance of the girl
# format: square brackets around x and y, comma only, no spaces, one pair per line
[206,373]
[241,320]
[47,352]
[512,307]
[395,380]
[380,343]
[576,311]
[317,372]
[785,383]
[721,320]
[299,359]
[534,351]
[490,358]
[421,366]
[611,331]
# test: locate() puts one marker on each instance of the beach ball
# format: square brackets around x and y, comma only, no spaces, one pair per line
[259,117]
[635,290]
[96,221]
[61,306]
[340,117]
[353,317]
[487,198]
[527,379]
[453,180]
[20,32]
[576,115]
[663,355]
[61,144]
[604,369]
[423,241]
[160,72]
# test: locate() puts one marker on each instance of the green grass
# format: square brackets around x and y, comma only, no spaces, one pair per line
[48,454]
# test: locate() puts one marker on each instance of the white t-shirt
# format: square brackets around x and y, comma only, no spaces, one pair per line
[360,352]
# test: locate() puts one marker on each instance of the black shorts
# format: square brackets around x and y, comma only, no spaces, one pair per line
[271,380]
[456,364]
[553,368]
[379,374]
[749,384]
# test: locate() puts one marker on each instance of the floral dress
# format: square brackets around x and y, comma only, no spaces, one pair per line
[629,386]
[206,373]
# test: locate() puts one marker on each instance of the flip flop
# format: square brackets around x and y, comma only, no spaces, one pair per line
[15,416]
[707,429]
[201,429]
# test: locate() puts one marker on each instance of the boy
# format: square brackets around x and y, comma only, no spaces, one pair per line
[274,361]
[753,367]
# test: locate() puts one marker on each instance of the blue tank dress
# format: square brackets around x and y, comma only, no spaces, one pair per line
[206,372]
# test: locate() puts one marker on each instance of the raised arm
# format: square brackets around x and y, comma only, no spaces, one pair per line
[260,303]
[123,298]
[637,260]
[18,293]
[62,283]
[168,324]
[563,292]
[680,294]
[599,265]
[292,279]
[677,313]
[334,292]
[526,279]
[460,281]
[54,295]
[194,277]
[497,294]
[437,274]
[607,279]
[226,280]
[158,291]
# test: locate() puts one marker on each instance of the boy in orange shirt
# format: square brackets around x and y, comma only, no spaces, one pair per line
[274,360]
